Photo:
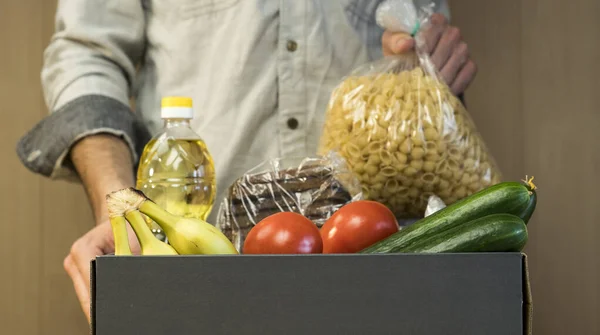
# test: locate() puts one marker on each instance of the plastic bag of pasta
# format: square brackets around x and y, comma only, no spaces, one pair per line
[402,131]
[315,187]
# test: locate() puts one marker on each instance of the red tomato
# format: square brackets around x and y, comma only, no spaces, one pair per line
[356,226]
[284,233]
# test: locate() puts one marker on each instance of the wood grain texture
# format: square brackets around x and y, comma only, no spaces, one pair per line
[42,218]
[539,69]
[561,72]
[20,198]
[65,216]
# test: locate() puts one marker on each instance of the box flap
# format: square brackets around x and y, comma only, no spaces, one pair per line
[528,300]
[93,297]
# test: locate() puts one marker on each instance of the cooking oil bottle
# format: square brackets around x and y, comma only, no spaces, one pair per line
[176,170]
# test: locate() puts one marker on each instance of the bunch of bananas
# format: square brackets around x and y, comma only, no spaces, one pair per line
[186,236]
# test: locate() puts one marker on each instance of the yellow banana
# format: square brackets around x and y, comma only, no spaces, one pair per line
[188,236]
[149,244]
[119,228]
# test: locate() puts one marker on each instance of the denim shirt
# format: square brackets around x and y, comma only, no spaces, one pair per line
[260,72]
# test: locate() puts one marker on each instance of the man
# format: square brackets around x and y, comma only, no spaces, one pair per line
[260,73]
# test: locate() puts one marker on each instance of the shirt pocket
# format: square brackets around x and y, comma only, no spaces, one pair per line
[189,9]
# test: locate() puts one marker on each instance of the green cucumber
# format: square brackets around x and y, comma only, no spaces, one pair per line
[506,197]
[492,233]
[527,212]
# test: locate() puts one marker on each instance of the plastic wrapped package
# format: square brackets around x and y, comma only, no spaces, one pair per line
[402,131]
[434,204]
[315,187]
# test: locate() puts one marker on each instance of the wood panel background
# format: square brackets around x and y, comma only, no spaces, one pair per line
[42,218]
[535,100]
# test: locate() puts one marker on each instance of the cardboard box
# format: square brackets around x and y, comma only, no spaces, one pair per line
[312,294]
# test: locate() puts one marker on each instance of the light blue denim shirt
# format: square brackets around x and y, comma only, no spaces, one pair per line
[260,72]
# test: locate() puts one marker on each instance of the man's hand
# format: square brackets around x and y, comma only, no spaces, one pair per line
[104,165]
[448,51]
[98,241]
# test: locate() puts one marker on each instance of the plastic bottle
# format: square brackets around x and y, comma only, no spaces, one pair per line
[176,169]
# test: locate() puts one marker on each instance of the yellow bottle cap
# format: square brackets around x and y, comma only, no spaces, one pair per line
[176,108]
[176,102]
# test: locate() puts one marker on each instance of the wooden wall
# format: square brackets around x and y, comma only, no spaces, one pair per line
[536,100]
[41,219]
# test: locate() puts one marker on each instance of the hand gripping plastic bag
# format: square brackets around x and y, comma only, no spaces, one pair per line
[315,187]
[401,130]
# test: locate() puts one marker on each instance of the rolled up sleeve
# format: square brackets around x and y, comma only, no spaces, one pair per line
[87,78]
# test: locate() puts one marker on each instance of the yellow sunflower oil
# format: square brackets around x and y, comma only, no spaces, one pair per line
[176,170]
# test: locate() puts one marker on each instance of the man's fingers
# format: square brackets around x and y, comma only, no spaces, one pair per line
[81,288]
[82,252]
[403,45]
[95,242]
[456,62]
[445,47]
[434,31]
[444,44]
[385,43]
[396,43]
[464,78]
[134,244]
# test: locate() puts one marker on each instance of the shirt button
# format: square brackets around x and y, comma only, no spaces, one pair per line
[292,46]
[292,123]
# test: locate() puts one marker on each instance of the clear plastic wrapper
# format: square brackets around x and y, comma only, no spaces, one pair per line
[315,187]
[402,131]
[434,204]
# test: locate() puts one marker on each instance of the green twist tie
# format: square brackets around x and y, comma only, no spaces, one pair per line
[416,29]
